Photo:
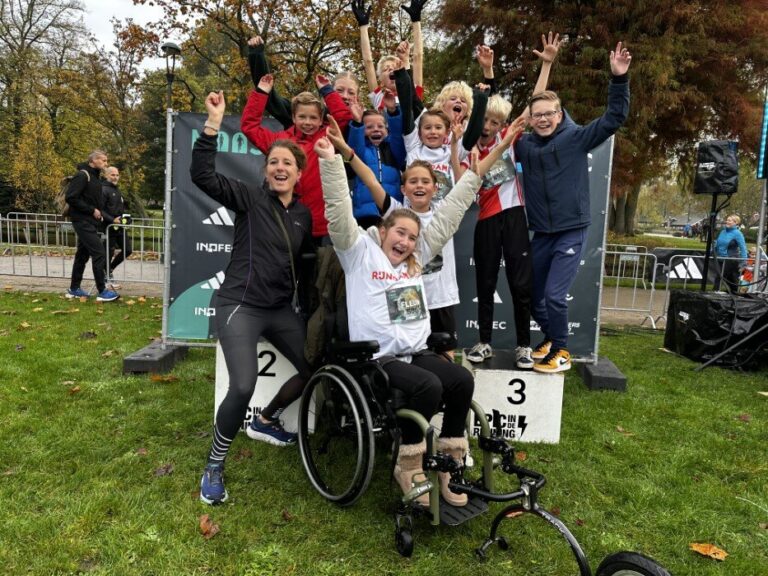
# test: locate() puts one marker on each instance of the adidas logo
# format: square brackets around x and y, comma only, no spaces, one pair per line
[496,298]
[220,218]
[215,282]
[687,269]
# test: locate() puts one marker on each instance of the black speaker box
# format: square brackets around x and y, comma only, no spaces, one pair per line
[717,168]
[700,325]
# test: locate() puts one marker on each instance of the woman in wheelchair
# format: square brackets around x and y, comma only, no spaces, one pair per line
[386,302]
[258,294]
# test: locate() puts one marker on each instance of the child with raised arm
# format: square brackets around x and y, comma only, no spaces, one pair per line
[308,127]
[556,172]
[379,78]
[501,227]
[387,302]
[344,83]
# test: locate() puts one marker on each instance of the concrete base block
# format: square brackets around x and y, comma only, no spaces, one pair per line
[602,376]
[152,358]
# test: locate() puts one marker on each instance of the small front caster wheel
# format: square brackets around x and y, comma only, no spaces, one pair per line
[502,542]
[404,543]
[480,554]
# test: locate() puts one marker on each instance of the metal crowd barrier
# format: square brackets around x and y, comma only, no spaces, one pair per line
[629,281]
[44,245]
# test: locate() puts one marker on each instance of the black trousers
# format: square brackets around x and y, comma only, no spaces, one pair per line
[505,233]
[239,329]
[428,382]
[118,239]
[89,245]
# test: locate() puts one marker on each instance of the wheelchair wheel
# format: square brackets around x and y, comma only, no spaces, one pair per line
[335,435]
[629,564]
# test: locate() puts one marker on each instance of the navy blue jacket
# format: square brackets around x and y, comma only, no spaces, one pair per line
[556,170]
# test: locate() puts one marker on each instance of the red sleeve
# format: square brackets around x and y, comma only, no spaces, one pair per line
[336,108]
[250,122]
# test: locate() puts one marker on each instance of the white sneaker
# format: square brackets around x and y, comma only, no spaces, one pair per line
[479,352]
[523,357]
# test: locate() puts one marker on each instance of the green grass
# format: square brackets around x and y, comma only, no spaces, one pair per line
[680,458]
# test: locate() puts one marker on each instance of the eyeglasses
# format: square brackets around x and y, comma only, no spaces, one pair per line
[548,114]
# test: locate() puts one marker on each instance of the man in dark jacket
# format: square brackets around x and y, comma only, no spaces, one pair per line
[556,185]
[86,210]
[116,235]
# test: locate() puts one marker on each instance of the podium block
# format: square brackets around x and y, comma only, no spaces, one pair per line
[274,370]
[525,405]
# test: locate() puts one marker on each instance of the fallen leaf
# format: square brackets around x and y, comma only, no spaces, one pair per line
[763,525]
[72,311]
[19,347]
[207,527]
[621,430]
[555,510]
[9,472]
[24,388]
[579,522]
[8,288]
[39,309]
[141,299]
[142,452]
[74,390]
[514,514]
[24,325]
[4,332]
[763,393]
[287,516]
[89,335]
[745,417]
[108,353]
[68,382]
[126,317]
[243,454]
[164,470]
[521,456]
[163,378]
[131,302]
[709,550]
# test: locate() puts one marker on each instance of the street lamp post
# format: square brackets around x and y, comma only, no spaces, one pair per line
[171,52]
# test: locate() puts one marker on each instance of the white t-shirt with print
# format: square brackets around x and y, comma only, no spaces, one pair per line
[384,303]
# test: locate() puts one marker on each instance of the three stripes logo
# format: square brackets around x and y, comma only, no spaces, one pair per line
[686,270]
[219,218]
[213,283]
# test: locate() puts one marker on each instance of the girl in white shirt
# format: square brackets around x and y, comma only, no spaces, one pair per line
[386,302]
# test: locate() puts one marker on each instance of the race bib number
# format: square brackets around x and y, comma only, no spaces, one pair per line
[406,303]
[502,171]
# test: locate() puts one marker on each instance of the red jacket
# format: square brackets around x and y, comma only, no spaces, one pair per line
[308,189]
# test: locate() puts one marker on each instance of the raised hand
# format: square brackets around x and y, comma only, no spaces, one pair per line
[414,10]
[334,135]
[403,51]
[324,149]
[485,57]
[389,101]
[362,14]
[215,105]
[255,41]
[457,130]
[514,129]
[266,83]
[551,47]
[620,60]
[321,81]
[357,110]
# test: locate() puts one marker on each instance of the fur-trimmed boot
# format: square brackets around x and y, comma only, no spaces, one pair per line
[456,448]
[409,467]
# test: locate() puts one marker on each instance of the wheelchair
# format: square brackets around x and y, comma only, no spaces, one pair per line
[347,404]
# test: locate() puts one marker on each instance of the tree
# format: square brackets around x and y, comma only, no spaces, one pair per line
[36,169]
[697,72]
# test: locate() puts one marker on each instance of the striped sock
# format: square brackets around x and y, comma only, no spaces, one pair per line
[219,447]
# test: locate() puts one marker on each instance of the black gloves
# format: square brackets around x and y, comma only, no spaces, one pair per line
[414,10]
[362,15]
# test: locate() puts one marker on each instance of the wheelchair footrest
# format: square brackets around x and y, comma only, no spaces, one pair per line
[453,515]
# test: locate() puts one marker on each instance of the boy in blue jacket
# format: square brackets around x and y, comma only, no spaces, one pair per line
[378,141]
[556,185]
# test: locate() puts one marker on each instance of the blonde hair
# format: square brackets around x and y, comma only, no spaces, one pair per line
[383,60]
[498,106]
[458,88]
[306,99]
[546,95]
[412,263]
[736,218]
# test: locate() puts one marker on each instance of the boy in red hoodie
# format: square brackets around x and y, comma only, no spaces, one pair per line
[308,126]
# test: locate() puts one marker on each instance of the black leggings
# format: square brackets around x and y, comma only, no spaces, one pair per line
[429,381]
[239,329]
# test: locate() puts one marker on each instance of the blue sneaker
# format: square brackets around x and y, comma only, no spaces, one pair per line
[107,296]
[272,432]
[212,489]
[77,293]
